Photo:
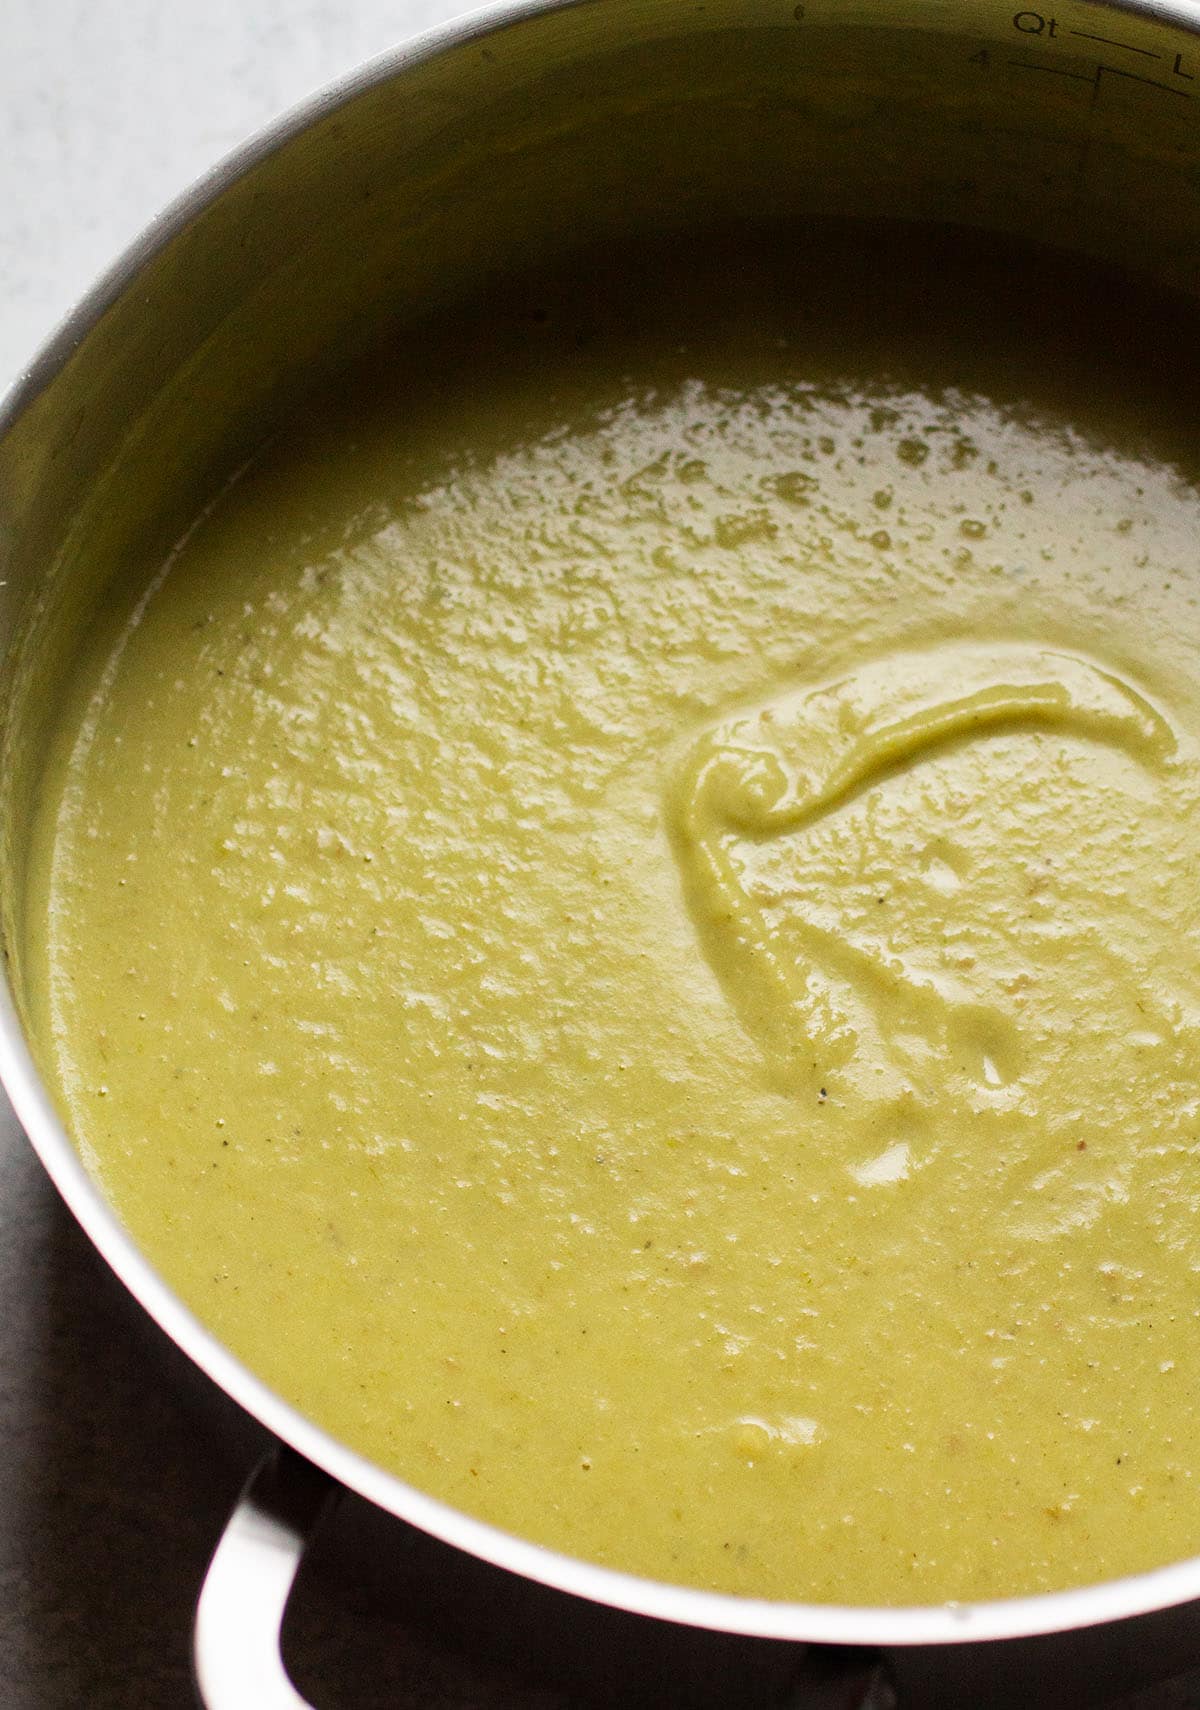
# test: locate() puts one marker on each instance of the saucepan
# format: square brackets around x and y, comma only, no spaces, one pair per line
[516,133]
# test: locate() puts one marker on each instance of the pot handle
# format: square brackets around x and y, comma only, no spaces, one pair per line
[235,1649]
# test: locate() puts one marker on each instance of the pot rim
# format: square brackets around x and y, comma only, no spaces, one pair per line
[945,1623]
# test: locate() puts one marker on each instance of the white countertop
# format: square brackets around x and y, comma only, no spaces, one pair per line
[108,110]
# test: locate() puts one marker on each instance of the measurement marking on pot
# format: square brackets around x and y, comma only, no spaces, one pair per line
[1094,78]
[1037,24]
[1110,41]
[1054,70]
[1167,88]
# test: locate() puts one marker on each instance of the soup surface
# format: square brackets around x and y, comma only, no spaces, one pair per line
[621,919]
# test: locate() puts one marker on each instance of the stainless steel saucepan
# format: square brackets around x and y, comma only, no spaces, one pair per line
[509,136]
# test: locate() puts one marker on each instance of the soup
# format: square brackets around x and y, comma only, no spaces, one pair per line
[620,918]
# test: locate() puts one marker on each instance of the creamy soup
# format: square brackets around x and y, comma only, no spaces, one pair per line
[622,918]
